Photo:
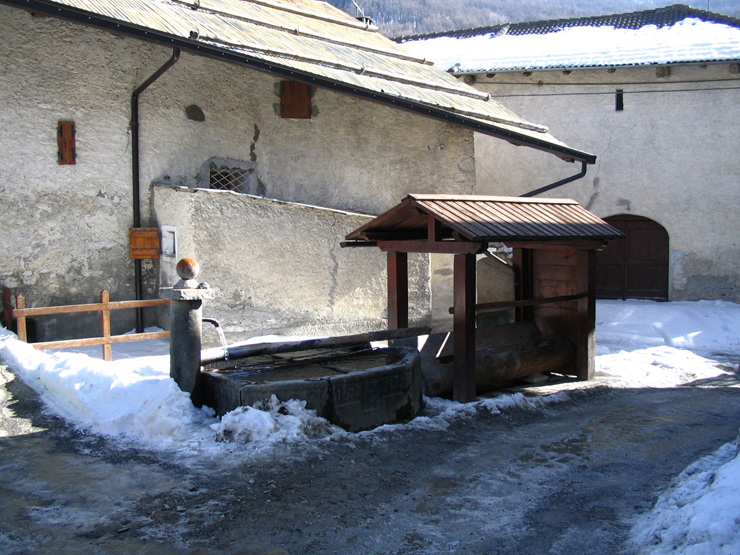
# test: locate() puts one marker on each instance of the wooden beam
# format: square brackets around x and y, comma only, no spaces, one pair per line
[91,307]
[436,247]
[464,328]
[217,354]
[586,327]
[555,243]
[524,286]
[398,290]
[497,305]
[434,229]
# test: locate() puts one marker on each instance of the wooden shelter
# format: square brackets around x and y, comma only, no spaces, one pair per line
[554,242]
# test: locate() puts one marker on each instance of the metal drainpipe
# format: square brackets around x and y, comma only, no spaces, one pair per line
[138,282]
[560,183]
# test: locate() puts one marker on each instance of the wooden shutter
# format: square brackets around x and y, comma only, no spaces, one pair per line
[67,153]
[295,100]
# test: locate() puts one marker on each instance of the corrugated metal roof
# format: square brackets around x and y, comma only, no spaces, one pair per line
[489,219]
[674,34]
[310,41]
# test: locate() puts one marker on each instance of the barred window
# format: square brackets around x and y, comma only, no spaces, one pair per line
[230,179]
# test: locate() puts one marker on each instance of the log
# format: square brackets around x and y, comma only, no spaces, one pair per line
[210,356]
[495,368]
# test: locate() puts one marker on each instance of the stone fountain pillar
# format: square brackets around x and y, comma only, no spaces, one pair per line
[186,314]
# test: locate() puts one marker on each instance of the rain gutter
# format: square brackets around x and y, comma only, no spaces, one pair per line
[560,183]
[203,49]
[136,194]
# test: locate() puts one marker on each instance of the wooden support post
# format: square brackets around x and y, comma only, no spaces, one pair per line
[398,290]
[463,388]
[20,321]
[105,325]
[524,288]
[586,328]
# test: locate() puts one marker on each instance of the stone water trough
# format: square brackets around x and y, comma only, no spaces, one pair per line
[356,386]
[344,379]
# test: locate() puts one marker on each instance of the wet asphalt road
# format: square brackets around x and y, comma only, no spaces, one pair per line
[567,478]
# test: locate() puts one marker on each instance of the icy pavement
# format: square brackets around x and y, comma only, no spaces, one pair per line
[550,468]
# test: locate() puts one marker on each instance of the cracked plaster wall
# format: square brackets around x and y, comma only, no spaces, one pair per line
[668,156]
[66,227]
[278,267]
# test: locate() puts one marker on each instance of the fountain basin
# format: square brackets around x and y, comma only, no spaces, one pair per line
[357,390]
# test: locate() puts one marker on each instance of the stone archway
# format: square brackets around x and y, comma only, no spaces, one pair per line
[635,267]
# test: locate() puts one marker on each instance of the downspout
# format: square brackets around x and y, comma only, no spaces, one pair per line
[138,281]
[560,183]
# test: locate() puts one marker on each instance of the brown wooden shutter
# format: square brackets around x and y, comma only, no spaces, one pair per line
[295,100]
[67,153]
[144,243]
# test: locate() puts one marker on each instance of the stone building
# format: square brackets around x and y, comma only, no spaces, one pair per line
[250,135]
[653,94]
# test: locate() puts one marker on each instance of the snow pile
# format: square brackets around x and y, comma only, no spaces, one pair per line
[690,40]
[440,413]
[132,399]
[650,344]
[272,422]
[699,513]
[708,327]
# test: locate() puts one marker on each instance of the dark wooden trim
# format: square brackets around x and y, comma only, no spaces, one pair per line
[482,307]
[523,260]
[435,247]
[398,290]
[586,328]
[434,227]
[463,388]
[593,244]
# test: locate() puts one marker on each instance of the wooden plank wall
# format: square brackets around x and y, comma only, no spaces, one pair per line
[555,273]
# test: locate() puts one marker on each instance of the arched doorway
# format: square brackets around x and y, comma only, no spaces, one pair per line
[635,267]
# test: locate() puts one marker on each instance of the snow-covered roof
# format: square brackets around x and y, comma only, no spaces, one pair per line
[675,34]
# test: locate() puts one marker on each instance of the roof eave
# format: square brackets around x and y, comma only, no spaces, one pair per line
[595,66]
[201,49]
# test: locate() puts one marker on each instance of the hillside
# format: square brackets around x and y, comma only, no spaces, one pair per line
[405,17]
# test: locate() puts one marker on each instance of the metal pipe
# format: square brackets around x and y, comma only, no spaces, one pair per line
[138,281]
[560,183]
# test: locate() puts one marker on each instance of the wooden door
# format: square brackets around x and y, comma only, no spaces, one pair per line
[635,267]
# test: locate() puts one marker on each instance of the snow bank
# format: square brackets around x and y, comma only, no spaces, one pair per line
[128,398]
[708,327]
[699,513]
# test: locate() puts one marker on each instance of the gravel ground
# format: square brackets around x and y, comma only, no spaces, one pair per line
[567,478]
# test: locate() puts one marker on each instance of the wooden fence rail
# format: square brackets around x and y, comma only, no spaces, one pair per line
[20,313]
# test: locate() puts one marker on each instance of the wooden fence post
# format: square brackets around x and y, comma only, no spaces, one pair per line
[105,325]
[20,321]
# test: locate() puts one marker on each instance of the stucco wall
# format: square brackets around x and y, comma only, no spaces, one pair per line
[671,156]
[65,229]
[278,267]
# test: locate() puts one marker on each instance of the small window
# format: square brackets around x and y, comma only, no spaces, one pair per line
[619,100]
[230,179]
[295,100]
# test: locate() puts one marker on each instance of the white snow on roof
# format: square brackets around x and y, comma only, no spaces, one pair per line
[690,40]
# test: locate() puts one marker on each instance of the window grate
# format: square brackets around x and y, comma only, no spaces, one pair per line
[229,179]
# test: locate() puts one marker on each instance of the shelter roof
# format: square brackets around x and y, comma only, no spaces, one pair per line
[313,42]
[673,34]
[487,219]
